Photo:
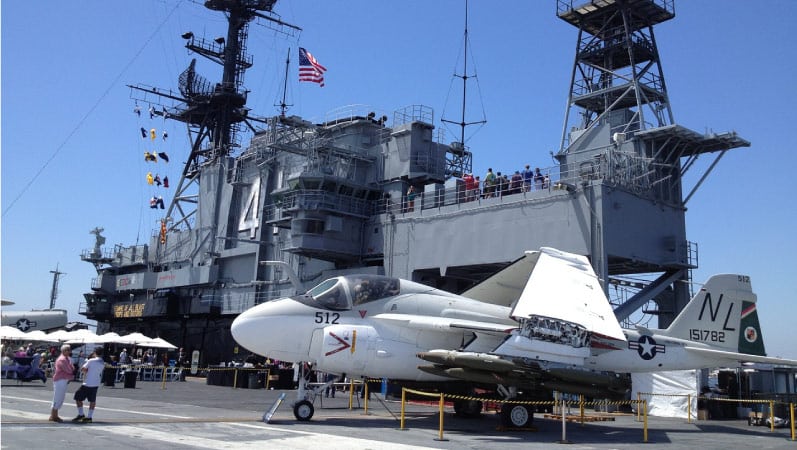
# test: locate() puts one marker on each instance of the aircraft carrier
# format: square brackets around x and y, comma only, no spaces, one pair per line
[303,201]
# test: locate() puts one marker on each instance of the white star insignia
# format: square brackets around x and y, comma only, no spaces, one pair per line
[647,347]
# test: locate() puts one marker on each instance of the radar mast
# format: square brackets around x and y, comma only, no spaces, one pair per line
[461,160]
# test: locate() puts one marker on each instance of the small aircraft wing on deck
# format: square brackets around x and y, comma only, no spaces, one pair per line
[564,286]
[505,286]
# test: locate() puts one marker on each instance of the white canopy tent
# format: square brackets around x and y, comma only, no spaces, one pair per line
[11,333]
[134,339]
[82,337]
[39,336]
[160,343]
[16,334]
[142,340]
[109,337]
[60,335]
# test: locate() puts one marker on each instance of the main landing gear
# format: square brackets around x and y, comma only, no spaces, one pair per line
[516,416]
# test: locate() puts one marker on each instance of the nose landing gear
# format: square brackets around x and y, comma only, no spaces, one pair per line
[303,410]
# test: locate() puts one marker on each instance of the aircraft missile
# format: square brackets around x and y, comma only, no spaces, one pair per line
[476,376]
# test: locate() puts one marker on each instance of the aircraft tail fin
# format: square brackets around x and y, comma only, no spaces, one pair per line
[751,340]
[722,315]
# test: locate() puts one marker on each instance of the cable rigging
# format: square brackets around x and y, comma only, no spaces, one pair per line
[90,111]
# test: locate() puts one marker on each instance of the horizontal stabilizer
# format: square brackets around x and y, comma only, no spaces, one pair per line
[741,357]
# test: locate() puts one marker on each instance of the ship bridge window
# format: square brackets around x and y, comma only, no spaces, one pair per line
[311,184]
[307,226]
[329,186]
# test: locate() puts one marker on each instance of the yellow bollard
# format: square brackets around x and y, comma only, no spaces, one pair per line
[564,419]
[772,415]
[689,408]
[791,414]
[645,426]
[235,379]
[403,402]
[581,408]
[638,409]
[351,394]
[442,404]
[163,379]
[268,377]
[365,396]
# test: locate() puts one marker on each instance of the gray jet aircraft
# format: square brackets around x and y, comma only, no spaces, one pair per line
[542,324]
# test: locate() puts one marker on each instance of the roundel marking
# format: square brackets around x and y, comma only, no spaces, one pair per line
[647,347]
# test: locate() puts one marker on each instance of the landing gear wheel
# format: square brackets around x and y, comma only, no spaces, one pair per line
[303,410]
[468,408]
[516,416]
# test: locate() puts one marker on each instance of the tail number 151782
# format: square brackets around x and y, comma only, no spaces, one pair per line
[697,334]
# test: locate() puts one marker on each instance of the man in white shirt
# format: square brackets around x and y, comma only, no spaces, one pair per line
[92,376]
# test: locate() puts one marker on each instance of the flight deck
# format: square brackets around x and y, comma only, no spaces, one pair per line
[192,414]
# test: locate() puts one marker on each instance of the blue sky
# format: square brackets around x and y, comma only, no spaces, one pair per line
[72,155]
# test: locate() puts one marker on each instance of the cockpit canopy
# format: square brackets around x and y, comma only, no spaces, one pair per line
[342,293]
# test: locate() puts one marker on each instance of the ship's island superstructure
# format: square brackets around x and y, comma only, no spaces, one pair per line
[306,201]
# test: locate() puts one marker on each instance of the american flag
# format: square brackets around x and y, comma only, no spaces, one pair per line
[310,69]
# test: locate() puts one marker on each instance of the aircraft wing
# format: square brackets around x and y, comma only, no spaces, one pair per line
[563,286]
[741,357]
[445,323]
[490,369]
[504,287]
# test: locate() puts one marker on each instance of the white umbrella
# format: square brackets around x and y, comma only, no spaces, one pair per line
[13,333]
[59,336]
[38,335]
[82,336]
[134,339]
[108,338]
[159,343]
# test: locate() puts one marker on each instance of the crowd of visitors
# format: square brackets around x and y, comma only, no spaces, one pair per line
[497,184]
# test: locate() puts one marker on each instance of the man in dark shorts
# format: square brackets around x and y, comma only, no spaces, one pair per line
[92,375]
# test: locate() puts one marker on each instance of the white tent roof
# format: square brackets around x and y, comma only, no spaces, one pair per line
[134,339]
[81,337]
[13,333]
[159,343]
[39,335]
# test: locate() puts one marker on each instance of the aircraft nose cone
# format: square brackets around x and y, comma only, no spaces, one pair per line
[275,329]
